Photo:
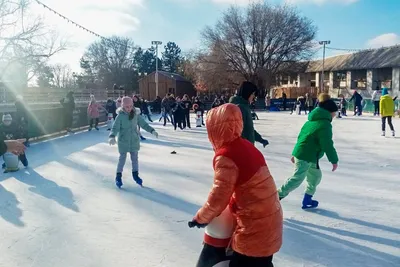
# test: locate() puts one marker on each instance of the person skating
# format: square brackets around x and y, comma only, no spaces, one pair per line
[343,106]
[10,130]
[125,129]
[199,108]
[93,113]
[22,118]
[165,110]
[245,95]
[144,107]
[137,104]
[357,103]
[68,104]
[309,103]
[111,108]
[242,182]
[178,110]
[187,108]
[387,108]
[314,140]
[376,97]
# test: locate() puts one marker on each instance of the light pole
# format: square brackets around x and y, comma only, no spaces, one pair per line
[324,43]
[156,43]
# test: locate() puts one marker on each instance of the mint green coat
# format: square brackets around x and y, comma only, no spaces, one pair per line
[126,131]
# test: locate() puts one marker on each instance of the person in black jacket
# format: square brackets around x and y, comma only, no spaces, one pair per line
[187,107]
[10,130]
[200,107]
[357,103]
[145,109]
[179,115]
[111,107]
[165,109]
[21,119]
[68,104]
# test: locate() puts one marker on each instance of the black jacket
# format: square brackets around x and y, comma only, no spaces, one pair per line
[111,107]
[187,104]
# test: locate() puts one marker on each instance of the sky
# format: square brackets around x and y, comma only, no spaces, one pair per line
[355,24]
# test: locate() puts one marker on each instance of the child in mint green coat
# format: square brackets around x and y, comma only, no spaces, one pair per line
[125,129]
[314,140]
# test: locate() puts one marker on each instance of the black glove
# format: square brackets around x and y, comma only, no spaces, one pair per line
[193,224]
[264,142]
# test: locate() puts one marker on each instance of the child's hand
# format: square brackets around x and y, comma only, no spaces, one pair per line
[292,160]
[154,133]
[112,141]
[334,167]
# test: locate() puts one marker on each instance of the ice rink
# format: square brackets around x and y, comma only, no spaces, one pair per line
[65,211]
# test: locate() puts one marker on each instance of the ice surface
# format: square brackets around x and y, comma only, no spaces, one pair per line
[65,211]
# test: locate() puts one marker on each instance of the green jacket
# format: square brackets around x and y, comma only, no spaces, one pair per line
[315,138]
[127,131]
[248,127]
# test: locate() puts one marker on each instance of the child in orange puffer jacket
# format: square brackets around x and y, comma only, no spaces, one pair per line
[243,182]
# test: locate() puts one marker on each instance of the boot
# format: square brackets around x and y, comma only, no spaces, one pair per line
[118,180]
[24,160]
[308,202]
[137,179]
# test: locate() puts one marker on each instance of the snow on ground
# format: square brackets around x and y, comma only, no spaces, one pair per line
[65,210]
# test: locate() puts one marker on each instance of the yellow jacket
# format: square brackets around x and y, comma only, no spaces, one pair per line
[386,106]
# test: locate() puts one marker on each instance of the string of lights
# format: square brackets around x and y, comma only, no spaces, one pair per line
[79,25]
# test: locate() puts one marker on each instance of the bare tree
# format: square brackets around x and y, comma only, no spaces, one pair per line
[257,41]
[62,76]
[26,44]
[111,60]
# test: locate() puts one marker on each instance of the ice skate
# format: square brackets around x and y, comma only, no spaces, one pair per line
[383,133]
[24,161]
[137,179]
[97,128]
[142,138]
[308,202]
[118,180]
[90,129]
[393,134]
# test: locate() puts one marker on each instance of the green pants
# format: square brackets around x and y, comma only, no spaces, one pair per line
[303,170]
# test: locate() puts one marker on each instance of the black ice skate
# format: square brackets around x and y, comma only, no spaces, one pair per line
[137,179]
[118,180]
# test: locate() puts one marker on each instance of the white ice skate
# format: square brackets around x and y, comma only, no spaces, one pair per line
[393,134]
[110,120]
[199,119]
[383,133]
[11,162]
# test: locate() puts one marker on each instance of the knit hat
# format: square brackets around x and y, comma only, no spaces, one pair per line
[328,105]
[246,89]
[218,232]
[7,117]
[385,91]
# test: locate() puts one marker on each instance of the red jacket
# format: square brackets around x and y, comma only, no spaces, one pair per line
[242,180]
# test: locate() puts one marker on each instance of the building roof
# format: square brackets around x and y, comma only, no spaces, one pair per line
[386,57]
[170,75]
[174,76]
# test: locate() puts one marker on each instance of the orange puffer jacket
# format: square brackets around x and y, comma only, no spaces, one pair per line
[243,181]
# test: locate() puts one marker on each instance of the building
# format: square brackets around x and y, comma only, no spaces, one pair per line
[167,83]
[364,71]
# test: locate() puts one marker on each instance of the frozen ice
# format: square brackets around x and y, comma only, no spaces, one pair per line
[64,210]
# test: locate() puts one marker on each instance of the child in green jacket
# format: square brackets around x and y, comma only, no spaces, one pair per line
[125,129]
[314,140]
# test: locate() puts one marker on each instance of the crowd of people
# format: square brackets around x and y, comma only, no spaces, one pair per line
[243,209]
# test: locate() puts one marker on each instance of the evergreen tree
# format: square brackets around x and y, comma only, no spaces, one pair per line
[171,57]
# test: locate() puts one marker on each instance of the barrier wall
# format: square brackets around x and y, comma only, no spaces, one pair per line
[46,120]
